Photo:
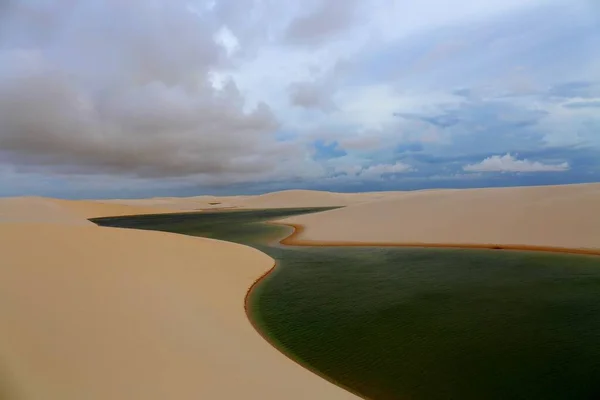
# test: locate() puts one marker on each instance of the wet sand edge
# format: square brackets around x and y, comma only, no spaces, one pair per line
[295,240]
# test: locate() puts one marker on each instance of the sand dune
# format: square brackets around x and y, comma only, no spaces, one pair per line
[281,199]
[104,313]
[297,198]
[48,210]
[561,216]
[37,209]
[310,198]
[97,209]
[184,203]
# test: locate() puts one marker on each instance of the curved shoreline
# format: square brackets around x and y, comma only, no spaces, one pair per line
[294,240]
[268,339]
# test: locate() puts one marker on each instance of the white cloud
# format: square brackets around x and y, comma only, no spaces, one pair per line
[227,39]
[381,169]
[353,168]
[508,163]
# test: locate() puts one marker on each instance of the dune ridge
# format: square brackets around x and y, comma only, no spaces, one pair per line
[280,199]
[37,209]
[97,209]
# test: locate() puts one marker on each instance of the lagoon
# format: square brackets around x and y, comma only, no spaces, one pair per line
[395,323]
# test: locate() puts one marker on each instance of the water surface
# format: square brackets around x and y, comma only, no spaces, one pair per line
[402,323]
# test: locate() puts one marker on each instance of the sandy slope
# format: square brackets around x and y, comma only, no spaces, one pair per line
[105,313]
[37,209]
[97,209]
[562,216]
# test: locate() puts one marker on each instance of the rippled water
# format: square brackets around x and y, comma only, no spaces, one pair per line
[397,323]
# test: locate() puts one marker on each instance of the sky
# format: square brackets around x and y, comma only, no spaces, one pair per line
[140,98]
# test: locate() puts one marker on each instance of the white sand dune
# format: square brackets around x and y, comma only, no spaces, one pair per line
[184,203]
[558,216]
[104,313]
[37,209]
[98,209]
[310,198]
[281,199]
[48,210]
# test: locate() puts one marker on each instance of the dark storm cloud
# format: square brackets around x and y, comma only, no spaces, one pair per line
[122,87]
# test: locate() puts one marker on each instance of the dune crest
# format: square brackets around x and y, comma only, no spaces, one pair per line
[280,199]
[97,209]
[37,209]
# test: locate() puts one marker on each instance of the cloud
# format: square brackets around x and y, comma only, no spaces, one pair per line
[124,88]
[262,94]
[409,147]
[441,121]
[326,151]
[326,19]
[574,89]
[583,104]
[382,169]
[348,171]
[366,142]
[311,95]
[508,163]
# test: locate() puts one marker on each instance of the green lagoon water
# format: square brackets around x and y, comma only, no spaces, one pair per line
[398,323]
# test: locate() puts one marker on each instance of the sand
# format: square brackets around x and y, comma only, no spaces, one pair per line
[106,313]
[40,209]
[98,209]
[183,204]
[282,199]
[311,198]
[556,216]
[37,209]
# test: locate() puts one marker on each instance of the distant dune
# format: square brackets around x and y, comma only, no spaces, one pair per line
[281,199]
[184,203]
[561,216]
[309,198]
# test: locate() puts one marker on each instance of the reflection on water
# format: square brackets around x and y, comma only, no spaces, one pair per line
[395,323]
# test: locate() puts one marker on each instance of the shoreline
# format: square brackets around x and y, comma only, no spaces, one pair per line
[270,341]
[265,336]
[294,240]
